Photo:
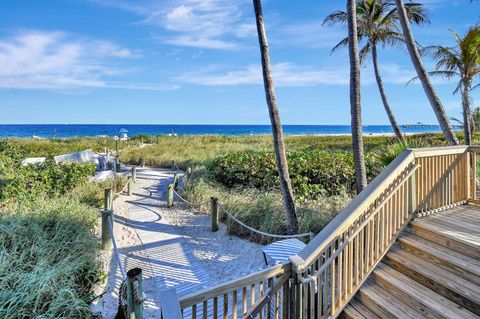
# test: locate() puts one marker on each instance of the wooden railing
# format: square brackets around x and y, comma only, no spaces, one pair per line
[336,262]
[320,281]
[235,298]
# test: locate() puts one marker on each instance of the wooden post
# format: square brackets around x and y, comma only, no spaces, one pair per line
[170,195]
[106,236]
[107,218]
[117,163]
[129,185]
[188,174]
[134,174]
[175,181]
[116,147]
[214,213]
[169,305]
[142,162]
[174,166]
[474,176]
[108,199]
[412,193]
[134,308]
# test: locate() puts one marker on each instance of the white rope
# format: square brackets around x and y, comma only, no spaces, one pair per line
[115,248]
[190,203]
[258,231]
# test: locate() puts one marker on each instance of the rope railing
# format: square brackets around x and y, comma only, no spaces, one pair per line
[229,214]
[188,202]
[114,244]
[215,204]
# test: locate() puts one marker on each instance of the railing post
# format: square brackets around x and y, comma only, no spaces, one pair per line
[174,165]
[169,305]
[188,174]
[170,195]
[134,174]
[106,236]
[129,185]
[412,193]
[134,294]
[214,213]
[107,218]
[474,176]
[175,181]
[142,162]
[117,163]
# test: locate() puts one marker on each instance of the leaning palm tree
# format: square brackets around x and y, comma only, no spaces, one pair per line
[278,143]
[461,61]
[423,75]
[355,105]
[377,24]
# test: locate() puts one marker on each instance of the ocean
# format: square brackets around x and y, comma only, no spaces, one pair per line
[72,130]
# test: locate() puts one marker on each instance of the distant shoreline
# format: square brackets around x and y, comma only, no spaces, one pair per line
[92,130]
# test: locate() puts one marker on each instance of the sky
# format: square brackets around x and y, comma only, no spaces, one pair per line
[198,62]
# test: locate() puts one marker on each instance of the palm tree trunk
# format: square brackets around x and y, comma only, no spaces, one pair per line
[386,105]
[355,106]
[467,117]
[423,76]
[278,143]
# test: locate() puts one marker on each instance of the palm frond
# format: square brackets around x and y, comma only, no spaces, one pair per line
[336,18]
[342,44]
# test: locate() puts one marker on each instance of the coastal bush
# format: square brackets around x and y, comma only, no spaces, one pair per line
[48,179]
[48,259]
[313,172]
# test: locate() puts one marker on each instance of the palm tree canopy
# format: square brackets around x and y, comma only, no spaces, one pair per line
[377,23]
[461,60]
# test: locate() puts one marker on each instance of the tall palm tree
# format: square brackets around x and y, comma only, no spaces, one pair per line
[377,24]
[355,106]
[461,61]
[278,143]
[423,76]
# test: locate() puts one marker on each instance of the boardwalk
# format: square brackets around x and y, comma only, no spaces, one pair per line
[174,246]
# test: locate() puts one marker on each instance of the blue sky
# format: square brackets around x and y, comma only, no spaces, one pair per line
[197,62]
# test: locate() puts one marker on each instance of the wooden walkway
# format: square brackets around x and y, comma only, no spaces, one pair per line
[172,262]
[432,271]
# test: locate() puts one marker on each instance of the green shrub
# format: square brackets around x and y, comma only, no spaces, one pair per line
[313,172]
[29,182]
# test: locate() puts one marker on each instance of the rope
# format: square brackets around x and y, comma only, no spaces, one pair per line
[137,296]
[258,231]
[115,249]
[190,203]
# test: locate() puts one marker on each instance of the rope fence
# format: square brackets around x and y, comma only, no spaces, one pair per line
[229,214]
[215,205]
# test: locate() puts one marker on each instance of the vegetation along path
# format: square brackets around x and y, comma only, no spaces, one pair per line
[173,246]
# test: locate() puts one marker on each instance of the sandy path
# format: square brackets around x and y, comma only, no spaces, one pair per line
[173,246]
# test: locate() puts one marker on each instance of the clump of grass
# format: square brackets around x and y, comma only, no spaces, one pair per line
[48,259]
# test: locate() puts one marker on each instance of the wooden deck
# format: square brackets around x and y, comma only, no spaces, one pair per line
[432,271]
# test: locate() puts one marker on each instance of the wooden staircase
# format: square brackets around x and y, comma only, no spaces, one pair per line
[432,271]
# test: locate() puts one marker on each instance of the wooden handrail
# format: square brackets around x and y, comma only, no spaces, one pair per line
[227,287]
[345,218]
[169,306]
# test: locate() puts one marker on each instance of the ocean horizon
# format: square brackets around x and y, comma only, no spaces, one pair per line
[80,130]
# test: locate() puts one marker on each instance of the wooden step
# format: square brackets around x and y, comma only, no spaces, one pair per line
[447,259]
[383,304]
[356,310]
[453,239]
[424,300]
[445,283]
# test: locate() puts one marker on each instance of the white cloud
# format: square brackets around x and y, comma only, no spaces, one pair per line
[294,75]
[210,24]
[284,74]
[56,60]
